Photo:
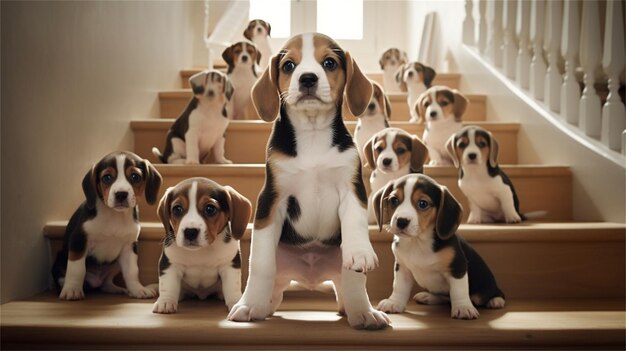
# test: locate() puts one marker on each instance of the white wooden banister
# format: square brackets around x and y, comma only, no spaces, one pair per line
[482,26]
[538,64]
[590,51]
[552,45]
[494,20]
[468,23]
[570,90]
[510,47]
[523,53]
[613,111]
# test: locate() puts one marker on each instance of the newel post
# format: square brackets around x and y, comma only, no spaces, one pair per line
[570,90]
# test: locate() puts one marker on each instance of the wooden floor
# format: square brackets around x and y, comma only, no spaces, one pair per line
[306,321]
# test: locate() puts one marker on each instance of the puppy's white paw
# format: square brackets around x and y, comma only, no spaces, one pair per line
[164,305]
[496,303]
[426,298]
[473,218]
[71,293]
[230,302]
[391,306]
[242,312]
[368,319]
[142,292]
[362,259]
[191,162]
[512,218]
[224,161]
[465,311]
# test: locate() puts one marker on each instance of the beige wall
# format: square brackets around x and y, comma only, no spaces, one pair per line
[73,75]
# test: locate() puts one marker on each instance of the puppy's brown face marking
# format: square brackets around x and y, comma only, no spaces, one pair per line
[402,148]
[482,142]
[393,57]
[423,204]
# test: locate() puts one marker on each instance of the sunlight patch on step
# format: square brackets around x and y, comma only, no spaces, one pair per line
[566,320]
[309,316]
[225,323]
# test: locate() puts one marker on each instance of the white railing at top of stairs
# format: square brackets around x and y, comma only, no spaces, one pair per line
[226,29]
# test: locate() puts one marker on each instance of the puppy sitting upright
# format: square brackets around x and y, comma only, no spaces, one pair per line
[488,189]
[258,32]
[311,219]
[373,120]
[203,224]
[242,58]
[101,237]
[443,109]
[198,133]
[415,78]
[391,154]
[390,62]
[423,217]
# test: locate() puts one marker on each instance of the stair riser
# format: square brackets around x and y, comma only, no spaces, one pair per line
[173,104]
[551,193]
[255,141]
[540,270]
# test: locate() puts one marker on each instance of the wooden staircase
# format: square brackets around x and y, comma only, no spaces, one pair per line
[564,280]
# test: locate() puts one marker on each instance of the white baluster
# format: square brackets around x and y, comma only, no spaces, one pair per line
[538,64]
[510,48]
[468,23]
[494,46]
[570,90]
[482,26]
[523,54]
[552,45]
[613,111]
[590,51]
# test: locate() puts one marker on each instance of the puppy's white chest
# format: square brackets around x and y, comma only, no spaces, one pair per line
[483,190]
[208,124]
[200,268]
[108,232]
[424,265]
[366,127]
[438,132]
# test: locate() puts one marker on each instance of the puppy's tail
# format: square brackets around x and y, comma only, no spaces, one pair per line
[534,215]
[156,152]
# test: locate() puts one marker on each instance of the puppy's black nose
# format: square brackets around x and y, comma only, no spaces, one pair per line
[410,74]
[244,58]
[308,80]
[386,161]
[259,30]
[121,196]
[210,93]
[402,222]
[371,106]
[471,156]
[433,113]
[191,234]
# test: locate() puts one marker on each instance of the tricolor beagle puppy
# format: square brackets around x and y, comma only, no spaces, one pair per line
[311,218]
[242,58]
[373,120]
[414,78]
[203,224]
[258,32]
[101,236]
[423,216]
[199,132]
[488,189]
[390,62]
[391,154]
[443,109]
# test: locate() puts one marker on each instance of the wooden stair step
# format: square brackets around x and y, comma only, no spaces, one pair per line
[449,79]
[304,321]
[246,140]
[529,260]
[173,102]
[545,188]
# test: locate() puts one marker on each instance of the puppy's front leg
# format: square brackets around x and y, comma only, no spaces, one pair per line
[218,151]
[130,272]
[356,248]
[402,285]
[191,145]
[74,280]
[231,284]
[360,313]
[462,307]
[507,202]
[475,215]
[169,290]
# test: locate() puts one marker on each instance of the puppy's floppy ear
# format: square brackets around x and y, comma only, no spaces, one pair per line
[90,188]
[380,62]
[429,75]
[387,106]
[451,148]
[228,88]
[265,92]
[227,55]
[404,58]
[448,215]
[358,88]
[368,152]
[268,27]
[419,154]
[163,210]
[247,33]
[153,182]
[400,77]
[240,211]
[460,104]
[383,100]
[195,84]
[258,54]
[420,106]
[494,149]
[379,201]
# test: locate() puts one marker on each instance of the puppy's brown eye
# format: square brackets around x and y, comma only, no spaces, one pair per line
[107,179]
[329,64]
[210,211]
[379,149]
[135,178]
[427,103]
[462,145]
[177,210]
[482,144]
[444,104]
[394,201]
[289,66]
[401,151]
[423,204]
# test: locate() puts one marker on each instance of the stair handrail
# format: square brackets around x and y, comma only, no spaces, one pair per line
[226,29]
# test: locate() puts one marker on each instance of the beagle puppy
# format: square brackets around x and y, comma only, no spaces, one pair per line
[199,132]
[242,58]
[258,32]
[373,120]
[101,236]
[390,62]
[490,192]
[414,78]
[311,218]
[423,216]
[391,154]
[203,224]
[443,109]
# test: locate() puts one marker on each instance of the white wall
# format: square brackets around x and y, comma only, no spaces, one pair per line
[73,75]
